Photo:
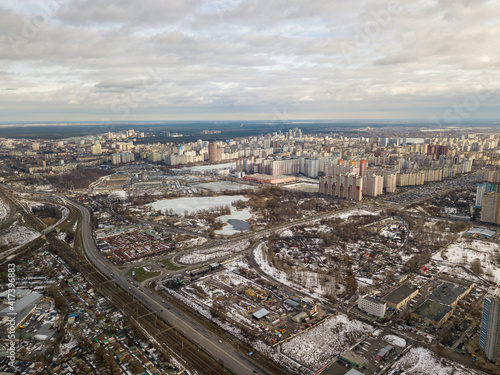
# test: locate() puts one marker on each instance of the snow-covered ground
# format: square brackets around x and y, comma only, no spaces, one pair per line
[214,252]
[4,210]
[302,280]
[193,204]
[357,211]
[395,340]
[320,344]
[198,241]
[17,235]
[65,348]
[465,251]
[421,361]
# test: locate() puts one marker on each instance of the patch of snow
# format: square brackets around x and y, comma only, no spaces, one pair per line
[465,251]
[395,340]
[319,345]
[4,210]
[17,235]
[421,361]
[357,212]
[204,255]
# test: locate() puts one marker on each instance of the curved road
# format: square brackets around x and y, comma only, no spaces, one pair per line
[233,359]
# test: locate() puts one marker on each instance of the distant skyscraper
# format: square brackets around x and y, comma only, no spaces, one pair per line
[214,153]
[489,340]
[363,165]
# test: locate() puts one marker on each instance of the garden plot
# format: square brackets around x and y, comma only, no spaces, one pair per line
[420,361]
[214,252]
[322,343]
[465,252]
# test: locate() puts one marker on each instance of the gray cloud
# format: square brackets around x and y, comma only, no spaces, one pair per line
[242,59]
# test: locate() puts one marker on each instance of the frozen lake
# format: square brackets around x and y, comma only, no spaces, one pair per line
[235,222]
[193,204]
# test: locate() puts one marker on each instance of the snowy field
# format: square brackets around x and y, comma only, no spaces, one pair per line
[214,252]
[17,235]
[193,204]
[4,210]
[320,344]
[420,361]
[465,251]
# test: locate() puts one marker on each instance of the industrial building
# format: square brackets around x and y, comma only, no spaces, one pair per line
[268,179]
[434,312]
[400,296]
[450,294]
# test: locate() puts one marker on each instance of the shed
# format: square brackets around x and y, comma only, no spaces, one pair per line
[260,314]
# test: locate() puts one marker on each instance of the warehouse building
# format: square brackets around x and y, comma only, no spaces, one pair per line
[400,296]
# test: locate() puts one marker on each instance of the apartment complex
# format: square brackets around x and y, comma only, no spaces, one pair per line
[489,339]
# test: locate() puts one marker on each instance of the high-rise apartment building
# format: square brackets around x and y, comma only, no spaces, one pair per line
[363,165]
[348,186]
[490,212]
[373,185]
[489,339]
[214,153]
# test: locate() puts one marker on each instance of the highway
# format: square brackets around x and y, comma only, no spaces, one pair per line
[197,333]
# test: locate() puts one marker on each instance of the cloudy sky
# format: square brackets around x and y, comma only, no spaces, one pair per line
[87,60]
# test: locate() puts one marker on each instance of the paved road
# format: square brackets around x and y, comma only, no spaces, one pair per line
[233,359]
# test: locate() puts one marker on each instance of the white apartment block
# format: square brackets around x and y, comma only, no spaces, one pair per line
[372,305]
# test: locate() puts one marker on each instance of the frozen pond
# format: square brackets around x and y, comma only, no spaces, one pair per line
[193,204]
[235,223]
[220,186]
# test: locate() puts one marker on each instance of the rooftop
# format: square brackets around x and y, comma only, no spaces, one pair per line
[353,371]
[352,357]
[373,299]
[20,305]
[433,310]
[447,293]
[400,294]
[260,314]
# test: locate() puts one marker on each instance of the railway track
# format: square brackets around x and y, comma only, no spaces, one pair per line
[167,337]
